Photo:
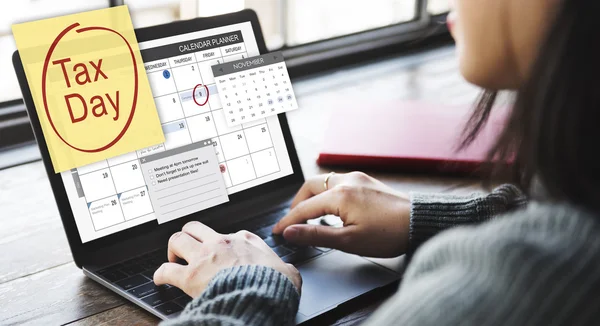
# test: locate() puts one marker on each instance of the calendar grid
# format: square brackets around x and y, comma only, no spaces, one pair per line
[109,167]
[151,206]
[237,157]
[276,158]
[96,170]
[224,134]
[106,197]
[108,164]
[171,79]
[236,78]
[121,207]
[124,221]
[115,188]
[177,91]
[266,175]
[213,110]
[116,192]
[250,154]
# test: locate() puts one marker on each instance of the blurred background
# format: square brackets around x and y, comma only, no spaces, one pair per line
[314,35]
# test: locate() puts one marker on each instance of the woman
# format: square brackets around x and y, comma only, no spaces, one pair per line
[510,261]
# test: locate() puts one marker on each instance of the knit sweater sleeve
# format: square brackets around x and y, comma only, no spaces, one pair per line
[533,266]
[243,295]
[433,213]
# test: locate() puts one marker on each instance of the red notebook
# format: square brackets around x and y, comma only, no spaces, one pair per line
[406,137]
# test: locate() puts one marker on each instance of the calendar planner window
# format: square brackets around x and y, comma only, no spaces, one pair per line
[217,159]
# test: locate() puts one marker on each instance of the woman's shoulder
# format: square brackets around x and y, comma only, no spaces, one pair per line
[538,219]
[549,234]
[519,267]
[536,222]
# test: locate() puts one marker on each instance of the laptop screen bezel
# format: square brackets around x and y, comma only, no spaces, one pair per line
[82,251]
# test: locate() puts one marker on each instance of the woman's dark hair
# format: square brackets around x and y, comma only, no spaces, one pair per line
[554,127]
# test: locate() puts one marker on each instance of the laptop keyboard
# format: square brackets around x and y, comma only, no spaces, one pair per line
[135,275]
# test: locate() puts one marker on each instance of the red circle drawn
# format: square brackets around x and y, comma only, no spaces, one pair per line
[194,94]
[135,88]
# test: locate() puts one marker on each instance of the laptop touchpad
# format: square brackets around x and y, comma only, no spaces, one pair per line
[336,278]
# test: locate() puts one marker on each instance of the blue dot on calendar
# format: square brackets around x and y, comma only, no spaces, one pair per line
[166,74]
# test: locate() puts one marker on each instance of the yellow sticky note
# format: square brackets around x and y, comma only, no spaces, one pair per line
[89,86]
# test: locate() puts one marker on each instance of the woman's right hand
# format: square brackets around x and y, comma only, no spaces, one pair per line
[376,217]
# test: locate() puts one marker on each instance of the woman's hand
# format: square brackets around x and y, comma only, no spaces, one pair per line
[208,252]
[376,218]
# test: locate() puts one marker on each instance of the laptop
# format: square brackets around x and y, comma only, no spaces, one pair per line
[111,227]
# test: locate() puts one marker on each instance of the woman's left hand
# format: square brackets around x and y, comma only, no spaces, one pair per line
[208,252]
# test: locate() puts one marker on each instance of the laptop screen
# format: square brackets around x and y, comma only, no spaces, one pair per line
[113,195]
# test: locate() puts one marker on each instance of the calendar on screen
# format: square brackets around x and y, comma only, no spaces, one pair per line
[254,88]
[202,161]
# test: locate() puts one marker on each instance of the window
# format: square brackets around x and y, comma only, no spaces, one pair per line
[285,23]
[437,7]
[315,20]
[309,31]
[312,33]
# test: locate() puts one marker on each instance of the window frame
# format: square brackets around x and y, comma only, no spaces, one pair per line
[304,59]
[305,54]
[308,58]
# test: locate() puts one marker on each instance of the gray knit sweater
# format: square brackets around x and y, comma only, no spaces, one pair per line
[537,265]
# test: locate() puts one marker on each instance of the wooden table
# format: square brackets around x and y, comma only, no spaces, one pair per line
[39,283]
